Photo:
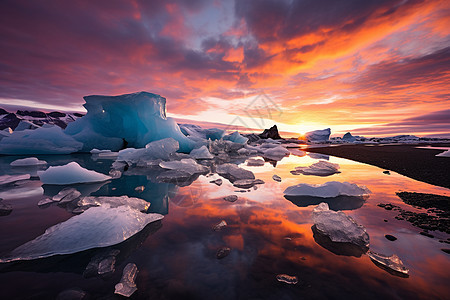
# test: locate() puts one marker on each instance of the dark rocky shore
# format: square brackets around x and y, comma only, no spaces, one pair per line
[419,164]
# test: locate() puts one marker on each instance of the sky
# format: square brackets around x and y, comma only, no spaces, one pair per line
[372,67]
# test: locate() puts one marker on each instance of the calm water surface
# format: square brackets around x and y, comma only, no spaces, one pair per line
[267,233]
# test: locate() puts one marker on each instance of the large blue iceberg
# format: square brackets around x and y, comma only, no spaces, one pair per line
[130,120]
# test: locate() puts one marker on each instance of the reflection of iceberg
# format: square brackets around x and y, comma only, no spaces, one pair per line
[336,203]
[97,227]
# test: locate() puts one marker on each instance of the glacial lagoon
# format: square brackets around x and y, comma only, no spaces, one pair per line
[269,237]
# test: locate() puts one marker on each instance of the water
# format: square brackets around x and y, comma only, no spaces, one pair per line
[268,235]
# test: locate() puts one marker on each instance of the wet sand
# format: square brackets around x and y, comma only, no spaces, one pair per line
[419,164]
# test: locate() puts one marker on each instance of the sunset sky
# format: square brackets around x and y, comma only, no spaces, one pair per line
[375,68]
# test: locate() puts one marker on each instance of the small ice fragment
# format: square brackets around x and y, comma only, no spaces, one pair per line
[66,195]
[217,181]
[327,190]
[255,162]
[223,252]
[258,181]
[70,174]
[139,188]
[392,262]
[115,174]
[244,183]
[233,172]
[187,165]
[29,161]
[219,226]
[126,287]
[6,179]
[321,168]
[5,209]
[45,201]
[72,294]
[287,279]
[201,153]
[231,198]
[276,178]
[102,264]
[135,203]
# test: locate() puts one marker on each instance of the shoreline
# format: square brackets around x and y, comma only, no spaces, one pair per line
[419,164]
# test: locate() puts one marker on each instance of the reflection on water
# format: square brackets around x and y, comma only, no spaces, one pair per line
[267,233]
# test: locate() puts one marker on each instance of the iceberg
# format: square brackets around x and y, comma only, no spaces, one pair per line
[126,287]
[348,137]
[48,139]
[235,137]
[162,149]
[392,263]
[318,135]
[197,133]
[187,165]
[29,161]
[101,226]
[233,172]
[321,168]
[444,154]
[201,153]
[339,227]
[327,190]
[70,174]
[130,120]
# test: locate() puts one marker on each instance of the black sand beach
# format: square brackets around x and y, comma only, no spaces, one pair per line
[408,160]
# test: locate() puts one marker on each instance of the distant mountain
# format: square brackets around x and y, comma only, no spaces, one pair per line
[29,119]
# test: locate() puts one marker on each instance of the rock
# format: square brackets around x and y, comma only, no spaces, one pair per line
[233,172]
[390,237]
[271,133]
[387,172]
[126,287]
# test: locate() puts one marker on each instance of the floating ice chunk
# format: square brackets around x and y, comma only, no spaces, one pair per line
[44,140]
[29,161]
[201,153]
[233,172]
[126,287]
[318,135]
[135,203]
[187,165]
[327,190]
[444,154]
[132,120]
[223,146]
[7,179]
[276,153]
[235,137]
[66,195]
[255,162]
[276,178]
[217,182]
[5,209]
[97,227]
[5,132]
[297,152]
[339,227]
[321,168]
[223,252]
[392,262]
[219,226]
[348,137]
[70,174]
[287,279]
[231,198]
[247,183]
[162,149]
[45,201]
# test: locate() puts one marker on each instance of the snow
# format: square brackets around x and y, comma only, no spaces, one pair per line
[339,227]
[187,165]
[392,262]
[133,120]
[327,190]
[201,153]
[318,135]
[162,149]
[47,139]
[97,227]
[29,161]
[235,137]
[7,179]
[233,172]
[444,154]
[70,174]
[321,168]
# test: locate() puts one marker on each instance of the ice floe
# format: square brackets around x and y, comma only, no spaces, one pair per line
[321,168]
[29,161]
[96,227]
[70,174]
[187,165]
[161,149]
[233,172]
[135,203]
[327,190]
